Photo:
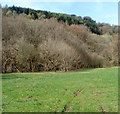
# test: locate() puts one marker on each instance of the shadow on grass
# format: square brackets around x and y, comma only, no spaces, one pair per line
[12,77]
[84,70]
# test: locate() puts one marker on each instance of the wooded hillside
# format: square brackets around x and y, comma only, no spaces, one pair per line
[36,41]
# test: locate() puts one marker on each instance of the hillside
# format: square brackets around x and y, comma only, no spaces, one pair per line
[46,44]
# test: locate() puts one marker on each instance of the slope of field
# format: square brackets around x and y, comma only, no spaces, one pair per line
[89,90]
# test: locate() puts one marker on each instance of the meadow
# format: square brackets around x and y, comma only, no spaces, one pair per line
[87,90]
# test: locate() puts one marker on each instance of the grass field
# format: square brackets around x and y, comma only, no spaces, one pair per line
[90,90]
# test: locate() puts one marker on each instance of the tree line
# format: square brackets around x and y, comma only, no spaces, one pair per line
[69,19]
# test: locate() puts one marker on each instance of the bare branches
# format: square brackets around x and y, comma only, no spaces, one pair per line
[48,45]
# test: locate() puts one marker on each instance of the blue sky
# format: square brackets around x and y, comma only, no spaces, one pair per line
[99,11]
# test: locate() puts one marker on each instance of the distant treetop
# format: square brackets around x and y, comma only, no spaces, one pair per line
[68,19]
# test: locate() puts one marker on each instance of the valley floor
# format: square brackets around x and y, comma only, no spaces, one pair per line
[88,90]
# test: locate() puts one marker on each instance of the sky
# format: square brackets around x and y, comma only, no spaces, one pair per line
[98,10]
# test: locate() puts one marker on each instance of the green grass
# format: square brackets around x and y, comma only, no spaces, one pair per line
[92,90]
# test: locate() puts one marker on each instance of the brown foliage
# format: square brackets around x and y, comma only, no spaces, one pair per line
[47,45]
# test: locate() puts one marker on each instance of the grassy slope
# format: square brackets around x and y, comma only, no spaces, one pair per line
[92,90]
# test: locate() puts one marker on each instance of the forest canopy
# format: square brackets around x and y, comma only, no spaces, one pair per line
[69,19]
